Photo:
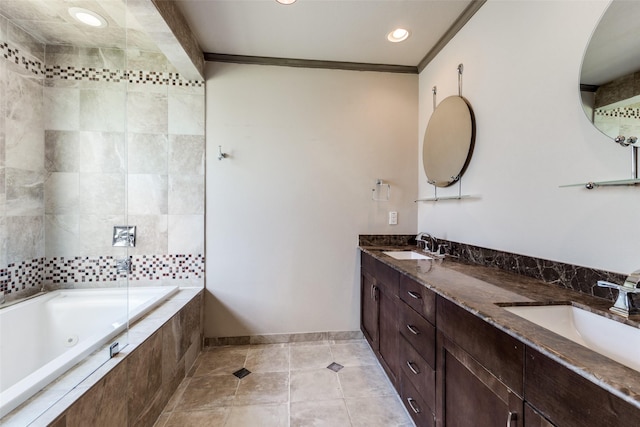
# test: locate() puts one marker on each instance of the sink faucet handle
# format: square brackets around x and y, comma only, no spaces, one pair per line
[625,305]
[633,280]
[422,240]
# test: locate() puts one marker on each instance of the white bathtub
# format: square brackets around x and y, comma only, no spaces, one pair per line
[43,337]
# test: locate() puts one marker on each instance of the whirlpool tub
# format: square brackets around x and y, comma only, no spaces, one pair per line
[43,337]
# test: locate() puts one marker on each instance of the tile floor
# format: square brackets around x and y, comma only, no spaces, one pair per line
[288,385]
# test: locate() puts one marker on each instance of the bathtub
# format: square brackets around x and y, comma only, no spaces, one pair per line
[43,337]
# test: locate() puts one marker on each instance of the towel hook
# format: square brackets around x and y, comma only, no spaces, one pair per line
[221,155]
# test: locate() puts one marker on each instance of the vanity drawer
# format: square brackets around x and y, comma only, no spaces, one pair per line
[419,411]
[418,371]
[419,297]
[419,333]
[499,353]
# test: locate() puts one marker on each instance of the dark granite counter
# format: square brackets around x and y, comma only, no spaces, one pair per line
[482,290]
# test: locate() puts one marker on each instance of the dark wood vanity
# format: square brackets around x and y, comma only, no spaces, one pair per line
[456,360]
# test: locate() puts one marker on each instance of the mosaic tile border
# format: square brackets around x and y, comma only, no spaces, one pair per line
[13,54]
[626,112]
[23,275]
[60,270]
[94,74]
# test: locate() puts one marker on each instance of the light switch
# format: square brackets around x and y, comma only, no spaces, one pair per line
[393,218]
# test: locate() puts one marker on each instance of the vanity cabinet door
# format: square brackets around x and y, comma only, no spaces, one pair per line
[389,342]
[379,313]
[369,309]
[583,403]
[469,394]
[479,371]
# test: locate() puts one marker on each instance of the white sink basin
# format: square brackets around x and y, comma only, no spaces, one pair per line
[613,339]
[406,255]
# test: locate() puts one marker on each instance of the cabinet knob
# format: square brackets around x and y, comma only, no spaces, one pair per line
[513,416]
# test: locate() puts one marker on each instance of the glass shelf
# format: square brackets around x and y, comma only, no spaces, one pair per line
[593,184]
[437,199]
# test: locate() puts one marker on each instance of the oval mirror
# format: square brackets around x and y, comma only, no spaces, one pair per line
[448,141]
[610,73]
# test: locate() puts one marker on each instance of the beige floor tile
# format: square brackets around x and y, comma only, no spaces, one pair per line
[212,418]
[318,384]
[382,411]
[221,360]
[263,387]
[268,358]
[208,392]
[259,415]
[364,381]
[353,353]
[290,385]
[325,413]
[305,357]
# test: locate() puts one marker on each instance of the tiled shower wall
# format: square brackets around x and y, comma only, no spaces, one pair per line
[91,141]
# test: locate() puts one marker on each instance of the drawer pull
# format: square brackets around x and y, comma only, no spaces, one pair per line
[413,330]
[412,368]
[414,407]
[414,295]
[511,417]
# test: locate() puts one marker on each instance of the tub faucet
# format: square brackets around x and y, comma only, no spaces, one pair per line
[123,265]
[625,305]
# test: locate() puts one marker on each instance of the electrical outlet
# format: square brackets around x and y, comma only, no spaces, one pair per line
[393,218]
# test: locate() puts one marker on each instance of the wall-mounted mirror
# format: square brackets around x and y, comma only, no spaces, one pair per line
[448,141]
[610,74]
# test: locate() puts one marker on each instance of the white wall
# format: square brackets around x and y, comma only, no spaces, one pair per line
[284,211]
[521,72]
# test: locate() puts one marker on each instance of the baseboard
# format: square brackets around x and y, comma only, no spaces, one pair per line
[282,338]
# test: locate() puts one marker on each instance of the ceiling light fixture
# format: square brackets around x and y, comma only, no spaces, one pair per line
[87,17]
[398,35]
[286,1]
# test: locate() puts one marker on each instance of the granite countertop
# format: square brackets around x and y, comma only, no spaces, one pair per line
[482,290]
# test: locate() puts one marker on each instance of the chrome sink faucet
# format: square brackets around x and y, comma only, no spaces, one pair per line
[625,305]
[427,241]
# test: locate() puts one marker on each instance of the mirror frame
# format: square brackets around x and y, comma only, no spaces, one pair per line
[448,141]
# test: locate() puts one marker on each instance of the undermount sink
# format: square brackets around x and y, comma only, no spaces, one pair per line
[403,255]
[613,339]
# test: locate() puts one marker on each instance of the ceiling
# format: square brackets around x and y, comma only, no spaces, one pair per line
[351,31]
[322,30]
[49,21]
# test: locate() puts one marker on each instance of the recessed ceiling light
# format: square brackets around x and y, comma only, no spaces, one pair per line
[398,35]
[87,17]
[286,1]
